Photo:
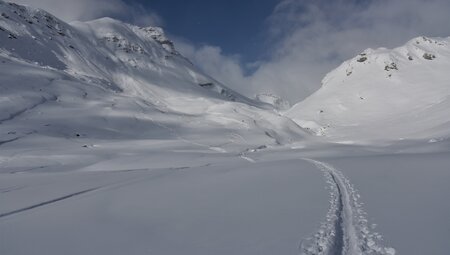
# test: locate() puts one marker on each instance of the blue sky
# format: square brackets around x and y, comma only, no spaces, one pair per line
[238,26]
[284,47]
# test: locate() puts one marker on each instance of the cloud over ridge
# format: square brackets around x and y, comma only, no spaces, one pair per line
[309,38]
[305,38]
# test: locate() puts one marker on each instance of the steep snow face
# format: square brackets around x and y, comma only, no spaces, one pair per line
[137,60]
[89,83]
[384,94]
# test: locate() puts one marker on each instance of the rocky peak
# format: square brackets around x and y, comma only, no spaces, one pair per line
[157,34]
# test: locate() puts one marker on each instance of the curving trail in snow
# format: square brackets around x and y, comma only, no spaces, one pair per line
[346,230]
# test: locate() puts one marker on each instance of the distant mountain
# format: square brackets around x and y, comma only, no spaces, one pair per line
[95,81]
[384,94]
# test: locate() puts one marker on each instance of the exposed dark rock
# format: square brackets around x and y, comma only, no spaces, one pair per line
[362,59]
[391,66]
[207,84]
[429,56]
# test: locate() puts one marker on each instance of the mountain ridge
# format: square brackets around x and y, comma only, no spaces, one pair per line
[384,94]
[89,84]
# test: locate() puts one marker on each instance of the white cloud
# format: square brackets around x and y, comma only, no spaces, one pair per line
[307,38]
[70,10]
[318,35]
[224,68]
[310,38]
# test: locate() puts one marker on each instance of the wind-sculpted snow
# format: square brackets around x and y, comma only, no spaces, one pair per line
[346,230]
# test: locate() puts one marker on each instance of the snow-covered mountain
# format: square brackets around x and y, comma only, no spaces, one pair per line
[81,84]
[106,49]
[111,142]
[384,94]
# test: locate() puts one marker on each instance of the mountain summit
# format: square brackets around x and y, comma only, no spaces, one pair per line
[84,84]
[384,94]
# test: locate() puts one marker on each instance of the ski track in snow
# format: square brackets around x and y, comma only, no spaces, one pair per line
[9,141]
[46,202]
[107,187]
[22,111]
[346,230]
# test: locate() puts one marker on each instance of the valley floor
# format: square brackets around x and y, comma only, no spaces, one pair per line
[206,202]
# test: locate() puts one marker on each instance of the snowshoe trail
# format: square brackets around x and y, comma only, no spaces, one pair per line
[346,230]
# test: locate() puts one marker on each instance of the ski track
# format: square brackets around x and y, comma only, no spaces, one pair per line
[346,230]
[14,115]
[110,186]
[9,140]
[46,202]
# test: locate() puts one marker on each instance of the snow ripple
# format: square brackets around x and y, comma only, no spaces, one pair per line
[346,230]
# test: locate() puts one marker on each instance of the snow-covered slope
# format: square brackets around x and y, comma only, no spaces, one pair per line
[88,83]
[384,94]
[111,142]
[124,55]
